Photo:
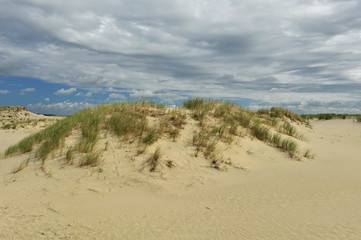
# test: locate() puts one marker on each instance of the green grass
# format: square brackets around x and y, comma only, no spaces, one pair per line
[127,124]
[144,123]
[288,129]
[289,146]
[152,135]
[261,133]
[308,154]
[91,159]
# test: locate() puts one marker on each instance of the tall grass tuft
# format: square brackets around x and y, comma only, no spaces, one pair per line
[261,133]
[153,161]
[127,124]
[90,159]
[289,146]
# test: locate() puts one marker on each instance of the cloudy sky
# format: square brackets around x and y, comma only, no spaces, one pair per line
[60,56]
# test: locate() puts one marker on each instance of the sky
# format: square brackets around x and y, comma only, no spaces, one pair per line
[60,56]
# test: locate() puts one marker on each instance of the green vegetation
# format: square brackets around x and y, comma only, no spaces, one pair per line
[16,124]
[329,116]
[90,159]
[289,146]
[261,133]
[144,123]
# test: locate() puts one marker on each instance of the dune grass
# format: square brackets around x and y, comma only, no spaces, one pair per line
[260,132]
[145,123]
[91,159]
[153,160]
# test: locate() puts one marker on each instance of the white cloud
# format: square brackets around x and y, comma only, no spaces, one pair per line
[117,96]
[27,90]
[63,91]
[177,45]
[46,99]
[4,91]
[64,108]
[81,94]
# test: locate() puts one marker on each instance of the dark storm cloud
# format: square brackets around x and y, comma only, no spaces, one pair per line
[264,50]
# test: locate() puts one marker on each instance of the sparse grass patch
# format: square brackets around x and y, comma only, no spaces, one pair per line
[153,161]
[152,136]
[91,159]
[21,166]
[279,112]
[289,146]
[69,156]
[288,129]
[308,154]
[210,149]
[261,133]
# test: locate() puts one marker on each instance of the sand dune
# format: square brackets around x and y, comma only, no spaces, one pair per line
[266,196]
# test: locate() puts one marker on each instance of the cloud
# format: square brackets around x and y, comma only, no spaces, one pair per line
[81,94]
[246,49]
[4,91]
[117,96]
[63,91]
[46,99]
[27,90]
[63,108]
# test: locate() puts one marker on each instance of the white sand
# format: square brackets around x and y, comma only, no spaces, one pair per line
[276,198]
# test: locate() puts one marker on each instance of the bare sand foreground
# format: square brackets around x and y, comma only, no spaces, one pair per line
[275,197]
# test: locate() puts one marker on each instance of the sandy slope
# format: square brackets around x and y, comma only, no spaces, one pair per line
[276,198]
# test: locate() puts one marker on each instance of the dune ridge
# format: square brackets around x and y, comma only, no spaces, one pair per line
[263,194]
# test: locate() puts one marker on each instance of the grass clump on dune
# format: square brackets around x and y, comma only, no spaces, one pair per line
[144,123]
[261,133]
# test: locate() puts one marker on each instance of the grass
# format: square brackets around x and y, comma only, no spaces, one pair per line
[261,133]
[145,123]
[91,159]
[69,156]
[152,136]
[289,146]
[308,154]
[153,160]
[127,124]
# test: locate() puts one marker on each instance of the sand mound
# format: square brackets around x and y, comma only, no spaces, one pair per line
[133,140]
[13,117]
[13,112]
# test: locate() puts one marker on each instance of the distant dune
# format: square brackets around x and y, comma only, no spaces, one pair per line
[208,170]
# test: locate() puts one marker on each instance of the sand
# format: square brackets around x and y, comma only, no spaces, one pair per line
[273,197]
